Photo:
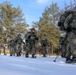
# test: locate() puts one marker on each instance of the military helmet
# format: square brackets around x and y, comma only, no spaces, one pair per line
[32,29]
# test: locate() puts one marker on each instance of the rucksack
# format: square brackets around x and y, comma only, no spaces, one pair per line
[62,20]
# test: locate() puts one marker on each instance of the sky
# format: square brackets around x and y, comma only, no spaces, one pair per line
[33,9]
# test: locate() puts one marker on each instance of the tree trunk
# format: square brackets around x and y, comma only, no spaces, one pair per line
[52,49]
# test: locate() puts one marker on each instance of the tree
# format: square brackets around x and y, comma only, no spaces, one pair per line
[11,20]
[47,26]
[54,12]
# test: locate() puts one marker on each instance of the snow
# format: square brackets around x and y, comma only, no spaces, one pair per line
[12,65]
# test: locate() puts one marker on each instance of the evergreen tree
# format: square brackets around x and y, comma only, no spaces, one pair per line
[54,12]
[47,26]
[11,21]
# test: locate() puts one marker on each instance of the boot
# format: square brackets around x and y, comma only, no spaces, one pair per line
[33,56]
[68,60]
[26,55]
[44,55]
[74,60]
[10,54]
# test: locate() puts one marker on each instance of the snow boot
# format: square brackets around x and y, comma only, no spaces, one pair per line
[68,60]
[44,56]
[26,55]
[33,56]
[74,60]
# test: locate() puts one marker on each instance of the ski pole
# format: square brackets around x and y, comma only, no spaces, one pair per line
[56,56]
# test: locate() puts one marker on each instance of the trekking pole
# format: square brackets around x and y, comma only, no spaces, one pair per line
[56,56]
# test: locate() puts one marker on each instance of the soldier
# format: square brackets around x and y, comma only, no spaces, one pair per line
[44,44]
[63,39]
[19,42]
[70,22]
[31,39]
[11,45]
[24,49]
[69,25]
[64,45]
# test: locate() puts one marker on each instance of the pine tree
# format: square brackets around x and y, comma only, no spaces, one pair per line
[11,20]
[47,27]
[54,12]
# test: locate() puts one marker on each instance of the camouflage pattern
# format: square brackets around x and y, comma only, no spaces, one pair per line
[44,44]
[68,24]
[70,21]
[19,42]
[31,39]
[31,47]
[72,34]
[72,43]
[63,43]
[12,47]
[24,47]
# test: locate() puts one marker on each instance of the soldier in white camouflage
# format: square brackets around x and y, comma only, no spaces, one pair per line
[68,25]
[70,22]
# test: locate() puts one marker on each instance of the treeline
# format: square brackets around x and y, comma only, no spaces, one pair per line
[12,22]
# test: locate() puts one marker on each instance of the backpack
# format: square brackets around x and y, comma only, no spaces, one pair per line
[73,21]
[62,20]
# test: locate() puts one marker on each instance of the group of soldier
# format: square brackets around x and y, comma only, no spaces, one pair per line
[17,45]
[66,24]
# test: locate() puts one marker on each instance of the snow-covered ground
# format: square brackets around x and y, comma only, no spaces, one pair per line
[31,66]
